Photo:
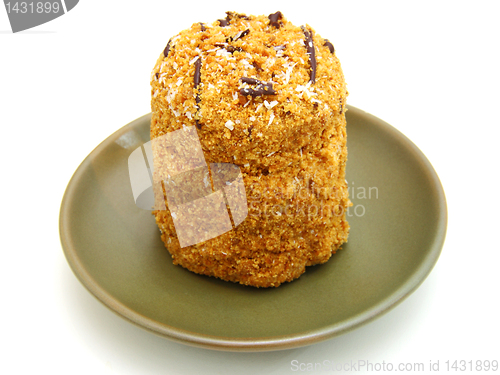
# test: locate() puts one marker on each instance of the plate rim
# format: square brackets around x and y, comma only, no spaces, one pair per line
[266,343]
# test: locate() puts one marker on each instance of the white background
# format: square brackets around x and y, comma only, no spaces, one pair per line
[430,69]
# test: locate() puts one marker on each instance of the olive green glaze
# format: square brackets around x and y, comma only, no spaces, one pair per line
[114,249]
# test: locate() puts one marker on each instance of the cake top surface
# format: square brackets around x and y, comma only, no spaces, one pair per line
[249,83]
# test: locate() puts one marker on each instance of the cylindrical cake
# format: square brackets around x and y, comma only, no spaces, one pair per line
[256,105]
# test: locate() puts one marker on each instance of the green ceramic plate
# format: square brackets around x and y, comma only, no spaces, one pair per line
[398,225]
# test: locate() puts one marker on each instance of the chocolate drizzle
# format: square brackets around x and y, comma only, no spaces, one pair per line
[261,88]
[202,26]
[197,80]
[167,48]
[310,52]
[157,75]
[233,49]
[329,45]
[230,39]
[228,48]
[274,19]
[264,89]
[240,35]
[223,22]
[197,68]
[236,15]
[250,81]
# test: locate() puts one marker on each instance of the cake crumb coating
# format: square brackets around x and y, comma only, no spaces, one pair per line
[269,97]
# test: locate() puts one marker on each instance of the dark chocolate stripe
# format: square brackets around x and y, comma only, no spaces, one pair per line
[262,88]
[329,45]
[197,68]
[197,80]
[228,48]
[311,53]
[233,49]
[241,34]
[250,81]
[167,48]
[223,22]
[274,19]
[157,75]
[203,28]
